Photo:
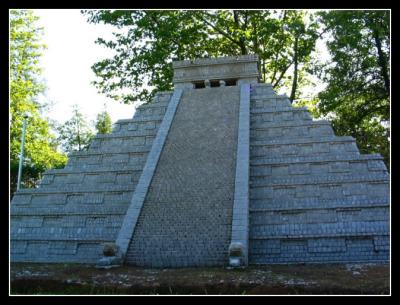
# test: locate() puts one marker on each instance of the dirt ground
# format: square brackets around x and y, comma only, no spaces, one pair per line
[76,279]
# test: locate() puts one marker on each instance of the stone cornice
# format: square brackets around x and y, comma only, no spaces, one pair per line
[215,61]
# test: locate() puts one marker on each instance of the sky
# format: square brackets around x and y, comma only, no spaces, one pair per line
[66,63]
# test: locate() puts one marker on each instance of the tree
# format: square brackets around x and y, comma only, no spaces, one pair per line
[25,86]
[357,96]
[358,83]
[103,122]
[150,40]
[75,133]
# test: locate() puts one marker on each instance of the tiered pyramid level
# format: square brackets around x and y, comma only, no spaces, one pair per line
[313,197]
[78,208]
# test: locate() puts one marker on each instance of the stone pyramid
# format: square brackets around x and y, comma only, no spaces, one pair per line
[220,171]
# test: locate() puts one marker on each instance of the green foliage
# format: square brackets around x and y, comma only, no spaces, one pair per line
[103,123]
[358,91]
[357,76]
[75,134]
[312,106]
[25,85]
[148,41]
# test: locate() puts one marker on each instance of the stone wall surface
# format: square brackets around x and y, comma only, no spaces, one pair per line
[78,208]
[313,197]
[187,214]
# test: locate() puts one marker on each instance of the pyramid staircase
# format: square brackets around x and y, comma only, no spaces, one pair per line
[186,218]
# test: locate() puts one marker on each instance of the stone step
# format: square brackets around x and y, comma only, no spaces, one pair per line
[304,149]
[381,241]
[282,125]
[321,179]
[132,155]
[99,179]
[296,124]
[101,167]
[47,234]
[161,96]
[320,159]
[98,169]
[57,251]
[265,96]
[154,104]
[119,206]
[270,102]
[74,198]
[318,215]
[283,204]
[338,229]
[83,220]
[270,105]
[101,159]
[134,127]
[320,249]
[32,195]
[263,115]
[313,168]
[307,140]
[125,145]
[282,109]
[261,88]
[145,113]
[142,119]
[134,133]
[124,152]
[123,132]
[328,189]
[290,132]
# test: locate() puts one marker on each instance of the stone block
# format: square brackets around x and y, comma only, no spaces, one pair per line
[62,248]
[339,167]
[18,247]
[327,245]
[376,165]
[299,169]
[96,198]
[21,199]
[45,199]
[331,191]
[321,148]
[279,170]
[381,243]
[378,189]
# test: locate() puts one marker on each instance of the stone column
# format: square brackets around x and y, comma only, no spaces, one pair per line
[238,249]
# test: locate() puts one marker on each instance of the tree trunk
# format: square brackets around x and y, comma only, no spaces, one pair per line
[382,62]
[79,139]
[295,59]
[242,44]
[264,71]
